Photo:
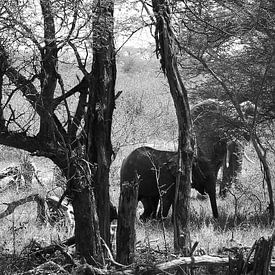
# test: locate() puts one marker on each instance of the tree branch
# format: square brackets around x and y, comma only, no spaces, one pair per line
[20,141]
[28,89]
[81,88]
[12,205]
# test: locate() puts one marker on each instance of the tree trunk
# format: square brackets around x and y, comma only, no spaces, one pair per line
[87,236]
[126,229]
[100,108]
[166,48]
[3,65]
[48,78]
[267,175]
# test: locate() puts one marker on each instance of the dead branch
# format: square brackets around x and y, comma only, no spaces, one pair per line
[205,260]
[50,249]
[12,205]
[118,95]
[47,267]
[111,256]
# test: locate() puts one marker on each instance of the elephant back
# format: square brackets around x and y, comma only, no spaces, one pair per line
[153,168]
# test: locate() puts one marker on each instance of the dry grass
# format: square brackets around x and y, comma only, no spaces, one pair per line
[19,228]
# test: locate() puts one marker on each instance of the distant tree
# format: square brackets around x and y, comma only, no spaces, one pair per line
[61,117]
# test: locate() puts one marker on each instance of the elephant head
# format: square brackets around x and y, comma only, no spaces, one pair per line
[219,133]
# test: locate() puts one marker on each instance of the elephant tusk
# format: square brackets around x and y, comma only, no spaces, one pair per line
[227,158]
[227,164]
[248,159]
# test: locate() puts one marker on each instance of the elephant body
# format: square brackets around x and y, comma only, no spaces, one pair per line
[157,172]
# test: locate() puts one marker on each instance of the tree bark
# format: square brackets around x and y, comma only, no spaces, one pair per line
[126,229]
[3,65]
[166,44]
[100,108]
[87,236]
[48,78]
[267,175]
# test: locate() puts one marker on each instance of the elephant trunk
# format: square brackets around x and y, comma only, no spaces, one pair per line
[213,201]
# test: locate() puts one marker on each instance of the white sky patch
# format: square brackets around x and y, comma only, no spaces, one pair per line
[141,39]
[129,17]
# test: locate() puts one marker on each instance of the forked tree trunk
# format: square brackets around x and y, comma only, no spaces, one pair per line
[100,108]
[166,49]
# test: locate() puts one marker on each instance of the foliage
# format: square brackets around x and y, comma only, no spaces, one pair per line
[227,44]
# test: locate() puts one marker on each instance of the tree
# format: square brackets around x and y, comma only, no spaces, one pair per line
[67,122]
[100,108]
[165,42]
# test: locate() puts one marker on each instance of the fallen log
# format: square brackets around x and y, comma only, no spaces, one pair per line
[195,261]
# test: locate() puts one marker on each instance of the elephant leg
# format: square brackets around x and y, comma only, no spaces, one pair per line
[149,207]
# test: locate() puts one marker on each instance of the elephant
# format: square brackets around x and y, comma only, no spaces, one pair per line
[220,136]
[157,171]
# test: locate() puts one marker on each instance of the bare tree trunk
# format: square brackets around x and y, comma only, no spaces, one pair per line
[166,49]
[267,175]
[100,108]
[87,236]
[126,230]
[49,72]
[3,65]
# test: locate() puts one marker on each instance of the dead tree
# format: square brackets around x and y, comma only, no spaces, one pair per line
[166,49]
[126,230]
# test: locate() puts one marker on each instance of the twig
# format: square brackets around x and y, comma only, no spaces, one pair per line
[111,256]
